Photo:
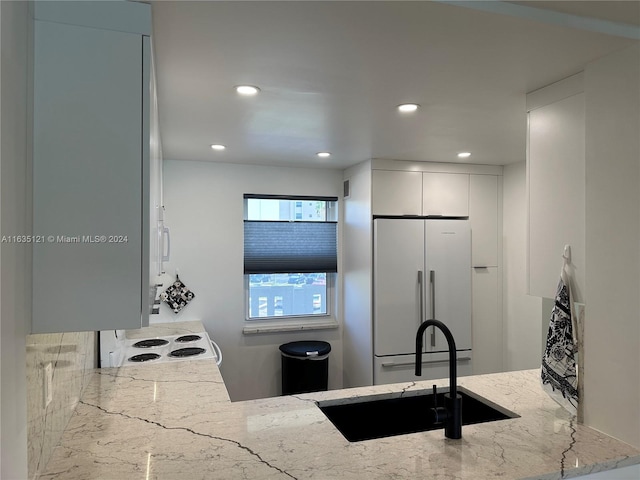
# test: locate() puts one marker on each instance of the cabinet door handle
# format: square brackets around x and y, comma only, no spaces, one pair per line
[166,234]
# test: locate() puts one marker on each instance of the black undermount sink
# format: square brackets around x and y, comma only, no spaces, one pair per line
[385,416]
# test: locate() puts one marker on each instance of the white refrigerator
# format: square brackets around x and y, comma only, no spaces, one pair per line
[421,270]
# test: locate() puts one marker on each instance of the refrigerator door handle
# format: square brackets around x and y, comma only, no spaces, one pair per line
[432,281]
[421,290]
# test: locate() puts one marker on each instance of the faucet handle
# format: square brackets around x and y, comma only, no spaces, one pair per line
[440,414]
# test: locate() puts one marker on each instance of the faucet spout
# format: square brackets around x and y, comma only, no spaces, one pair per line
[453,401]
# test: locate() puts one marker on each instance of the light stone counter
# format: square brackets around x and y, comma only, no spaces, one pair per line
[175,421]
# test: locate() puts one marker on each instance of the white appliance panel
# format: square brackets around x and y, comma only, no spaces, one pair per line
[398,257]
[448,264]
[111,347]
[419,263]
[401,368]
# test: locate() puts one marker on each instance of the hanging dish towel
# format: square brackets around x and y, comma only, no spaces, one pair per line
[177,295]
[559,363]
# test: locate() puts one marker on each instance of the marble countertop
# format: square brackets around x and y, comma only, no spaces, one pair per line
[175,421]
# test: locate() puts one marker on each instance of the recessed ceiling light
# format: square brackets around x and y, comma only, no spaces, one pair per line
[408,107]
[464,155]
[216,146]
[323,154]
[247,90]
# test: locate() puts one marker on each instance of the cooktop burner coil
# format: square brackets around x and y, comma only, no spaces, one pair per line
[144,357]
[151,342]
[188,338]
[187,352]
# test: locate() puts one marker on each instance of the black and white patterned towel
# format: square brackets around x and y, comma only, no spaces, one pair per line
[559,371]
[177,295]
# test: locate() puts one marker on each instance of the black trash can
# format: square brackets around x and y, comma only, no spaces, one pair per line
[305,366]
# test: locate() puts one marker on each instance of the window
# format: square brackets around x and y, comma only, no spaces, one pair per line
[290,254]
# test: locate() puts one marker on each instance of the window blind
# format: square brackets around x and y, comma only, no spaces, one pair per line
[290,247]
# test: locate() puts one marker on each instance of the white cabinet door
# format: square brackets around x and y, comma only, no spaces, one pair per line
[483,215]
[557,194]
[396,193]
[445,194]
[487,321]
[398,257]
[89,187]
[438,251]
[448,274]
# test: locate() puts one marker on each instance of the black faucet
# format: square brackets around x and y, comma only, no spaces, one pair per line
[452,411]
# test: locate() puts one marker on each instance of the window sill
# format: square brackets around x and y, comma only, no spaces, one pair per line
[254,328]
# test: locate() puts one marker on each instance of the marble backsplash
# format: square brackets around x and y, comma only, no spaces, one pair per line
[72,356]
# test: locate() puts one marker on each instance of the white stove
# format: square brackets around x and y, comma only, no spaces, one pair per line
[152,350]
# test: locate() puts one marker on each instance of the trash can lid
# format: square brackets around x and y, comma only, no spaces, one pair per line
[309,348]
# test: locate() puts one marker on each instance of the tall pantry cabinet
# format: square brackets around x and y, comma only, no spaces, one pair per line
[485,192]
[91,166]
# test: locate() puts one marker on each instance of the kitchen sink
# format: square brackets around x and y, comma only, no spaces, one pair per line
[386,415]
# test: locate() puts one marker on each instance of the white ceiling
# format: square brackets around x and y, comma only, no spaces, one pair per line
[332,73]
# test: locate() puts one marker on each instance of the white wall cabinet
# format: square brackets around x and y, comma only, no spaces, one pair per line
[160,242]
[396,193]
[91,166]
[445,194]
[556,178]
[483,215]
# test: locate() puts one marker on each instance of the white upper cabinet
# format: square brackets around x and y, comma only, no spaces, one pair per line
[159,237]
[445,194]
[91,166]
[397,193]
[483,215]
[556,177]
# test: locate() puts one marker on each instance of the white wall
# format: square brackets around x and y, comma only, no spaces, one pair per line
[612,325]
[15,219]
[522,313]
[204,209]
